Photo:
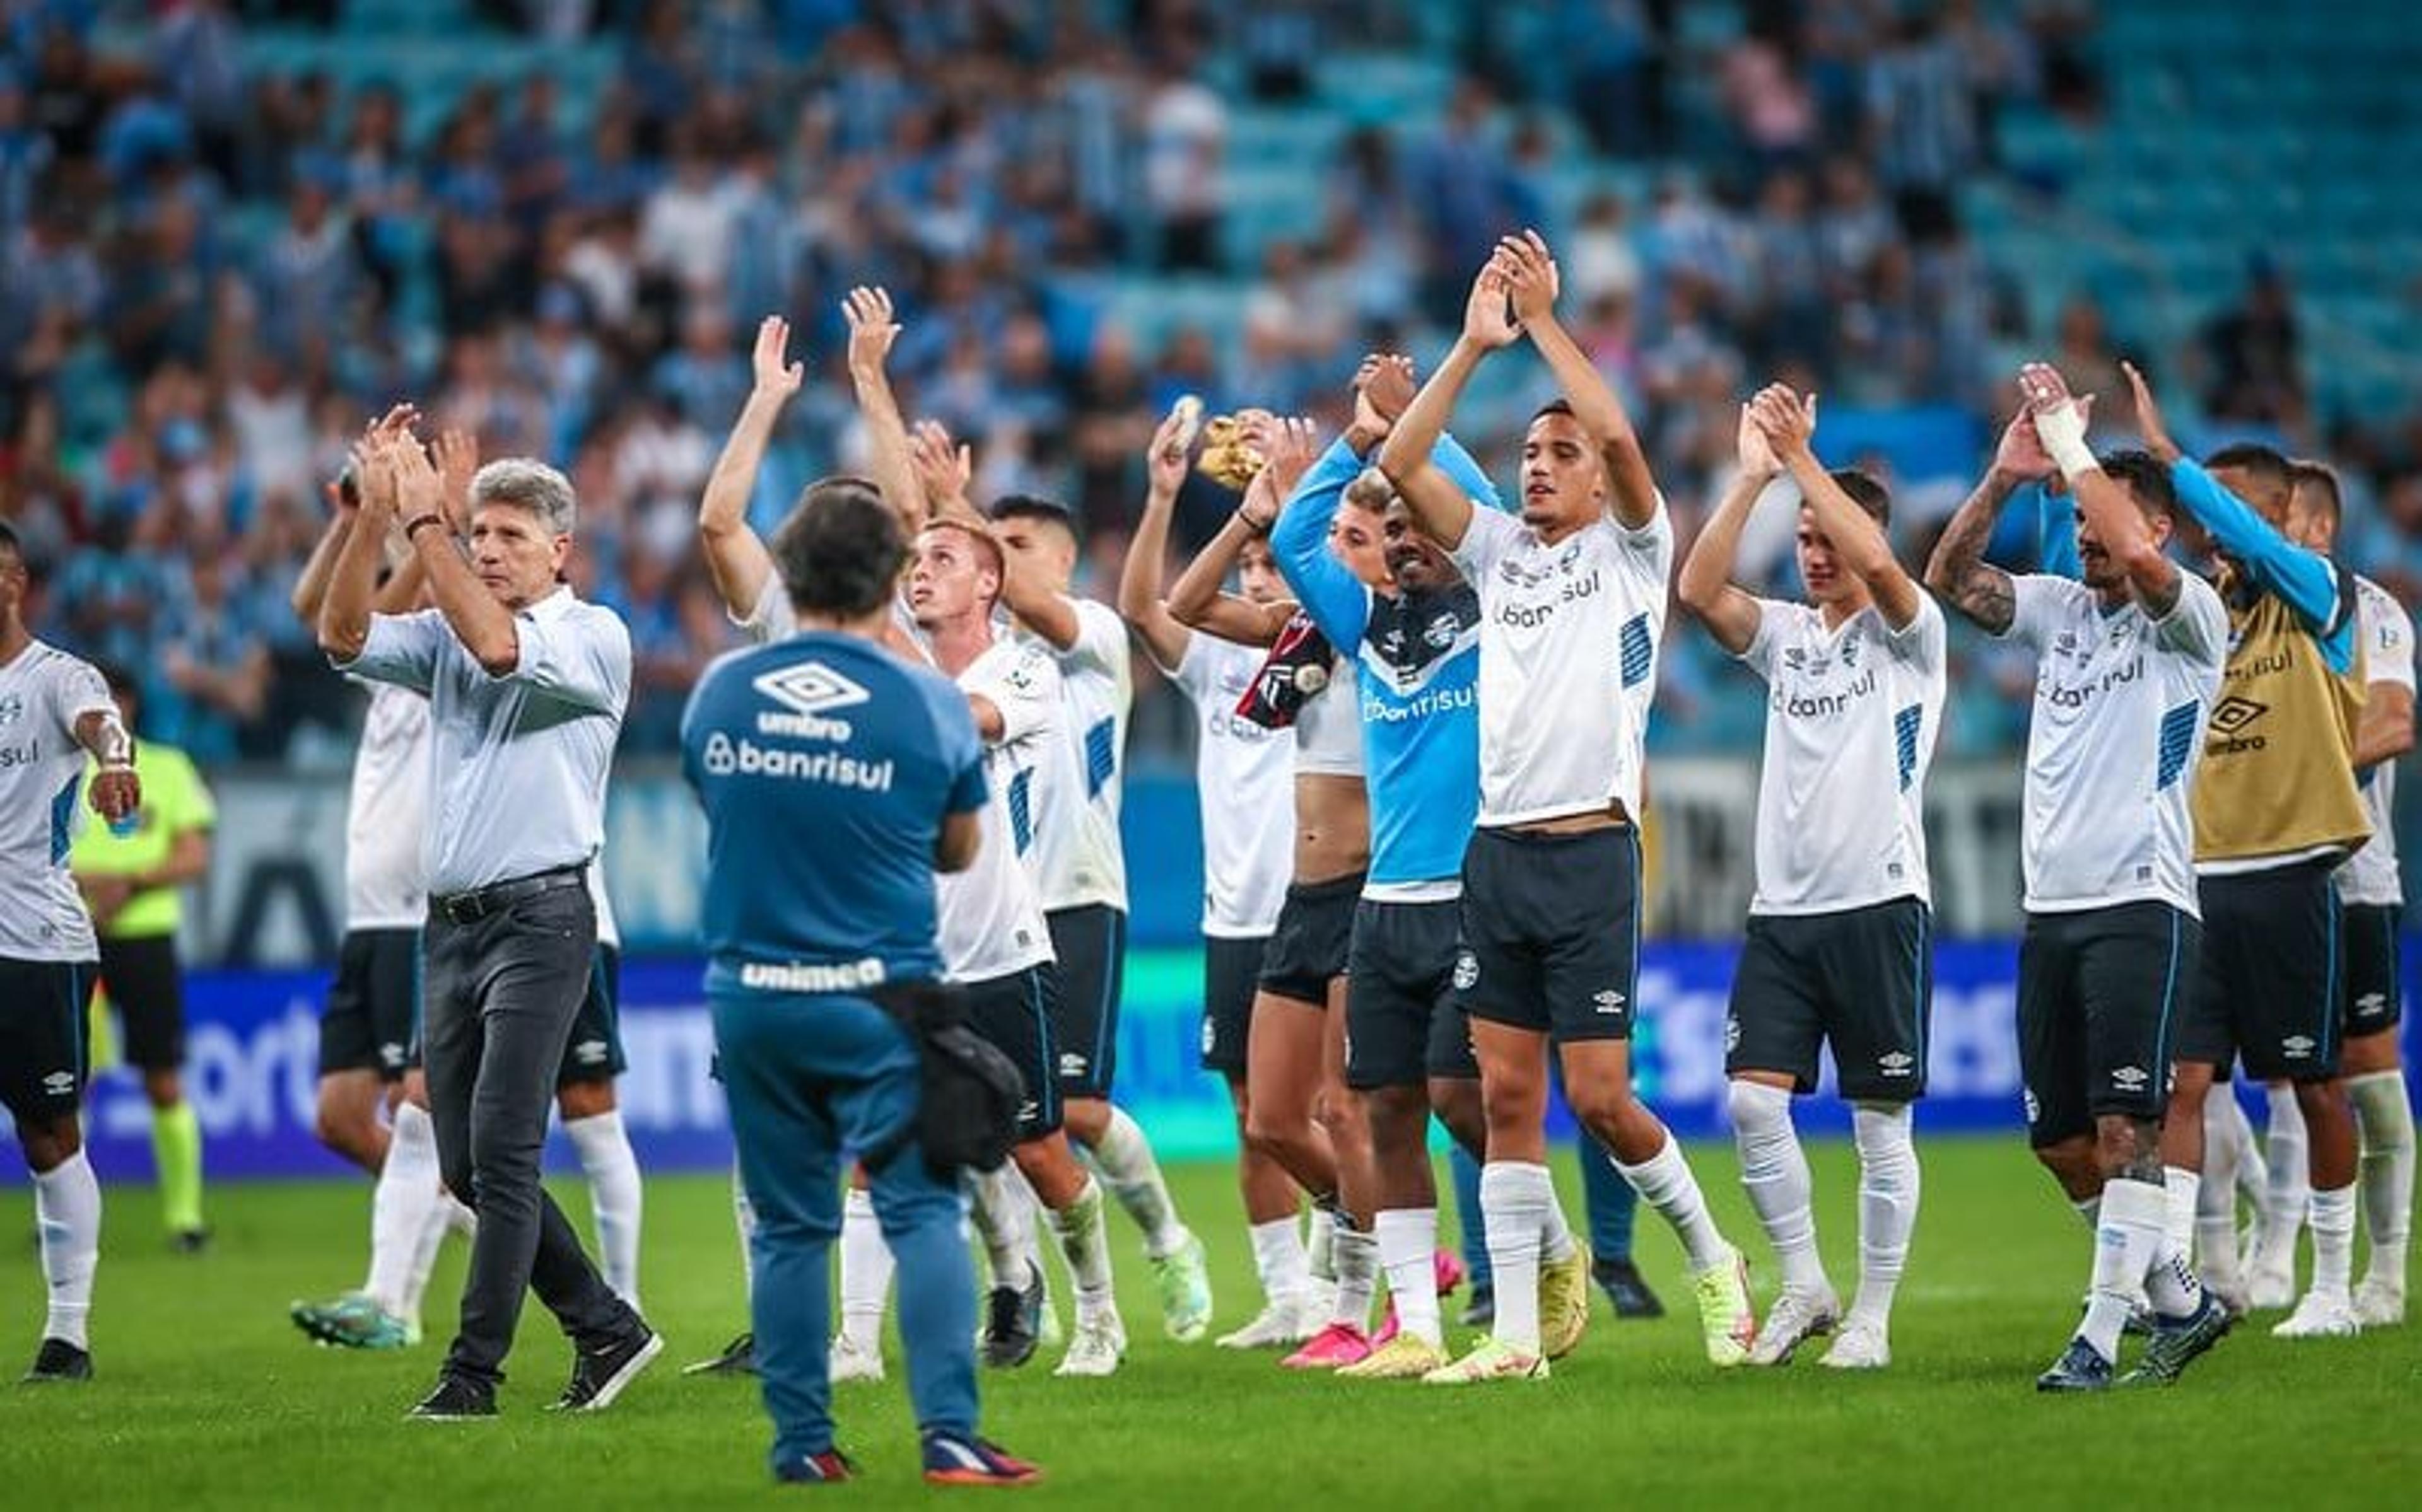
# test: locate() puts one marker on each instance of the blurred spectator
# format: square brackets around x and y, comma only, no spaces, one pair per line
[1186,133]
[2257,369]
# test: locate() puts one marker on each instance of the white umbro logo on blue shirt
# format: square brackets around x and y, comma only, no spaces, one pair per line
[809,688]
[810,691]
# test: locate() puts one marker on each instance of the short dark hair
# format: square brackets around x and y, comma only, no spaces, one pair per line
[2321,480]
[841,551]
[1555,406]
[1032,507]
[2267,466]
[9,545]
[1866,491]
[2145,476]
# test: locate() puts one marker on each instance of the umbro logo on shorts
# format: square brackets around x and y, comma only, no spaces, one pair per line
[2129,1078]
[1028,1111]
[1071,1064]
[1467,970]
[1732,1036]
[589,1052]
[2370,1005]
[1210,1037]
[2297,1047]
[2035,1109]
[1608,1000]
[59,1084]
[1895,1062]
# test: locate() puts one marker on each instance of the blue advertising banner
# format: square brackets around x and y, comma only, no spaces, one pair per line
[254,1042]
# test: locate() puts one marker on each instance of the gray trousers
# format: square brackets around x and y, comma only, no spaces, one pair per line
[496,1013]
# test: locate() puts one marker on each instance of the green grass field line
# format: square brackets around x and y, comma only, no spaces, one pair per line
[207,1397]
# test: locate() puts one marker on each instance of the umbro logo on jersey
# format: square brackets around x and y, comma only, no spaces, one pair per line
[59,1084]
[1608,1000]
[2297,1047]
[2233,713]
[1895,1062]
[2129,1078]
[808,690]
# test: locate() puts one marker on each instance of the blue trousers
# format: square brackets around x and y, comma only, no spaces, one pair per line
[812,1082]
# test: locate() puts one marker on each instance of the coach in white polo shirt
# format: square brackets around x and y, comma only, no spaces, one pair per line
[1572,605]
[527,688]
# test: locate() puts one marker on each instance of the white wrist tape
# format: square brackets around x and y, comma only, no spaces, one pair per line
[2062,432]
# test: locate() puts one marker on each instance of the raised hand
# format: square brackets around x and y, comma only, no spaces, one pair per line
[769,362]
[419,488]
[1750,444]
[2021,455]
[1165,459]
[1383,387]
[871,328]
[1530,275]
[944,468]
[1288,447]
[2149,422]
[458,463]
[1487,314]
[116,794]
[1787,421]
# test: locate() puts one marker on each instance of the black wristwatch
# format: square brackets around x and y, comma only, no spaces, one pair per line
[412,530]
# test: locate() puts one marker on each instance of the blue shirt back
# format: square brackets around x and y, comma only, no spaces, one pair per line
[827,767]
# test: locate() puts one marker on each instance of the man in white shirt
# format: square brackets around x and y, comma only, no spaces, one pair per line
[1572,598]
[1244,774]
[1080,864]
[2128,666]
[1838,948]
[54,709]
[527,687]
[2373,897]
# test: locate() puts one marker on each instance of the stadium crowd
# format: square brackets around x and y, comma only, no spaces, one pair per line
[211,268]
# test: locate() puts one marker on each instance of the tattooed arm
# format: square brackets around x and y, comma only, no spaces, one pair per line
[1958,573]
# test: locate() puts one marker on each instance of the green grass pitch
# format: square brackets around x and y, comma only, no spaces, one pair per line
[207,1396]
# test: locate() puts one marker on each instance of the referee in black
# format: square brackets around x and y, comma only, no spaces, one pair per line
[526,687]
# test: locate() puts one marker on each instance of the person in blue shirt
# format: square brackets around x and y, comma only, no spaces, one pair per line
[1416,647]
[838,779]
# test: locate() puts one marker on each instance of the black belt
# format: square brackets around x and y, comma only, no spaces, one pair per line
[478,903]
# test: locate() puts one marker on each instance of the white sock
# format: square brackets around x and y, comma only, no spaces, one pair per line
[2126,1241]
[407,1207]
[1085,1243]
[67,1217]
[1320,1241]
[865,1271]
[1665,1183]
[1354,1255]
[1279,1257]
[2334,1240]
[1005,1221]
[2215,1216]
[1407,1240]
[2290,1189]
[2183,1191]
[1514,1196]
[744,1219]
[1889,1183]
[614,1197]
[1774,1172]
[1126,1161]
[451,1217]
[2253,1171]
[2384,1121]
[1555,1234]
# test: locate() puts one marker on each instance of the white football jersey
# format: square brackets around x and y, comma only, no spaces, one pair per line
[387,814]
[43,692]
[992,920]
[990,916]
[1569,639]
[1081,859]
[1850,716]
[2369,875]
[2120,704]
[1243,776]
